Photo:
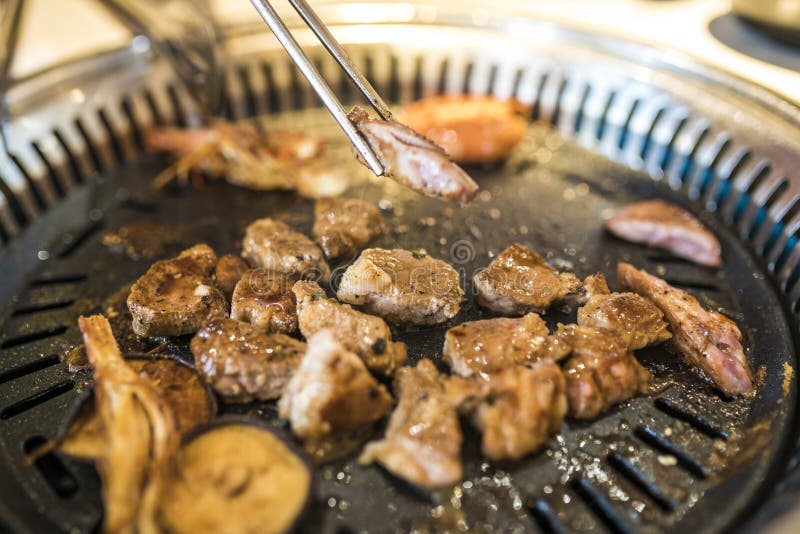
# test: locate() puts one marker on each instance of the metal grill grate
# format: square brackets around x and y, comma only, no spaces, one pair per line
[646,127]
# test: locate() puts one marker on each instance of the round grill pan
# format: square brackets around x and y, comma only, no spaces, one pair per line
[683,458]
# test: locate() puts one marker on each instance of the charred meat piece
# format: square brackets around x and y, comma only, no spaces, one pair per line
[367,336]
[636,319]
[274,246]
[601,371]
[176,296]
[139,429]
[344,226]
[707,340]
[485,347]
[242,363]
[228,272]
[525,407]
[413,160]
[423,440]
[470,129]
[331,392]
[519,281]
[664,225]
[402,286]
[265,300]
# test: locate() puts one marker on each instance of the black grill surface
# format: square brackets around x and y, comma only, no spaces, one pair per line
[682,458]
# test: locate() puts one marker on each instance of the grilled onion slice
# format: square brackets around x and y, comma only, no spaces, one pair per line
[236,475]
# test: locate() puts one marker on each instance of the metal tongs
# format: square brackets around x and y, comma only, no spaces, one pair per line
[313,76]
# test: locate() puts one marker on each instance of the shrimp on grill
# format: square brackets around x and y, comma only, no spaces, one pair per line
[245,156]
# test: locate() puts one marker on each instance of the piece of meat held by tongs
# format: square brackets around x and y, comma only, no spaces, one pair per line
[385,146]
[139,428]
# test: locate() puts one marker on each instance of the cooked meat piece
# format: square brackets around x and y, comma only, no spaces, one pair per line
[636,319]
[402,286]
[486,347]
[525,407]
[707,340]
[413,160]
[344,226]
[366,335]
[601,371]
[265,300]
[228,272]
[276,247]
[519,281]
[176,296]
[242,363]
[664,225]
[423,439]
[593,285]
[332,391]
[470,129]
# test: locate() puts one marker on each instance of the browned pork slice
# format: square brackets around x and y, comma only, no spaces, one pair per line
[331,392]
[402,286]
[525,407]
[176,296]
[636,319]
[601,371]
[228,272]
[423,440]
[242,363]
[485,347]
[707,340]
[274,246]
[344,226]
[664,225]
[265,300]
[413,160]
[519,281]
[366,335]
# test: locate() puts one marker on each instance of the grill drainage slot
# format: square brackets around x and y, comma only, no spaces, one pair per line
[52,469]
[662,444]
[24,339]
[36,399]
[700,423]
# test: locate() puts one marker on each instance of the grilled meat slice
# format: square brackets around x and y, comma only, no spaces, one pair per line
[228,271]
[274,246]
[636,319]
[413,160]
[344,226]
[402,286]
[265,300]
[485,347]
[525,407]
[470,129]
[519,281]
[331,392]
[664,225]
[367,336]
[176,296]
[707,340]
[242,363]
[423,439]
[601,371]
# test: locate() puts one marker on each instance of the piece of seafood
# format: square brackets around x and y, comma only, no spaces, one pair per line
[471,129]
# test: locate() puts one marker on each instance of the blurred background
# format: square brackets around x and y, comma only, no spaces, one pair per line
[755,39]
